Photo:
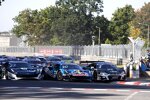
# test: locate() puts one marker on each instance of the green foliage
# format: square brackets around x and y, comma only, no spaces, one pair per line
[85,7]
[142,20]
[70,22]
[107,41]
[134,32]
[119,27]
[102,23]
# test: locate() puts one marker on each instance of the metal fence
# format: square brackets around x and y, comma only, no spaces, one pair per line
[113,51]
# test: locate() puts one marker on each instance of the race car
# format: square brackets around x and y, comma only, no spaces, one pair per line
[105,71]
[1,71]
[71,72]
[15,70]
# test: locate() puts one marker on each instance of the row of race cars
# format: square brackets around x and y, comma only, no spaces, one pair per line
[59,68]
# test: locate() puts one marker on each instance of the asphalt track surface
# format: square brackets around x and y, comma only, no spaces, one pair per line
[60,90]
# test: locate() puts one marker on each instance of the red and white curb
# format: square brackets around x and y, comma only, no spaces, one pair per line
[76,89]
[137,83]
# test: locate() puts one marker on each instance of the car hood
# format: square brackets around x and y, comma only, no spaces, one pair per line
[25,69]
[72,71]
[110,71]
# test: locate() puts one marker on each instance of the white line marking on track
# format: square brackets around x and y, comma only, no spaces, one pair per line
[130,96]
[34,87]
[100,89]
[145,84]
[123,90]
[78,89]
[56,88]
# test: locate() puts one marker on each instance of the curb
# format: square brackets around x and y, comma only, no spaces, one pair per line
[136,83]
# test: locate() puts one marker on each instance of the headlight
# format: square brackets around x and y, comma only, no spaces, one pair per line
[103,74]
[39,70]
[65,72]
[86,74]
[12,75]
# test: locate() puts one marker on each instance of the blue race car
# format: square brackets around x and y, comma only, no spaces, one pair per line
[71,72]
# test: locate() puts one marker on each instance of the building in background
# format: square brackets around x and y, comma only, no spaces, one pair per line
[8,39]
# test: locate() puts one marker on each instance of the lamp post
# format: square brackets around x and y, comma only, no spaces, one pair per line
[99,35]
[93,44]
[99,40]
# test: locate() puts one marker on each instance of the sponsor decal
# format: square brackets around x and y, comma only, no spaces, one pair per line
[50,51]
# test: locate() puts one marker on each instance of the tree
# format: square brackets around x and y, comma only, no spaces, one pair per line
[36,25]
[79,20]
[70,22]
[25,24]
[119,25]
[134,32]
[86,7]
[142,20]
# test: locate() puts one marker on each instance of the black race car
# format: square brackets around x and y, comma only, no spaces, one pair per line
[34,61]
[106,71]
[2,70]
[22,70]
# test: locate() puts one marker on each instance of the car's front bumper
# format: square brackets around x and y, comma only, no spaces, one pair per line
[110,77]
[13,76]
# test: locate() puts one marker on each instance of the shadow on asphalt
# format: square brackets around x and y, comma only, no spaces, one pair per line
[66,84]
[44,93]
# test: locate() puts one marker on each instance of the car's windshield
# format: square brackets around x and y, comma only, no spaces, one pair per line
[19,65]
[108,67]
[67,58]
[42,59]
[34,62]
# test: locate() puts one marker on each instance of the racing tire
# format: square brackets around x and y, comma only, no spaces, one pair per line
[95,76]
[59,76]
[7,77]
[41,77]
[124,79]
[2,75]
